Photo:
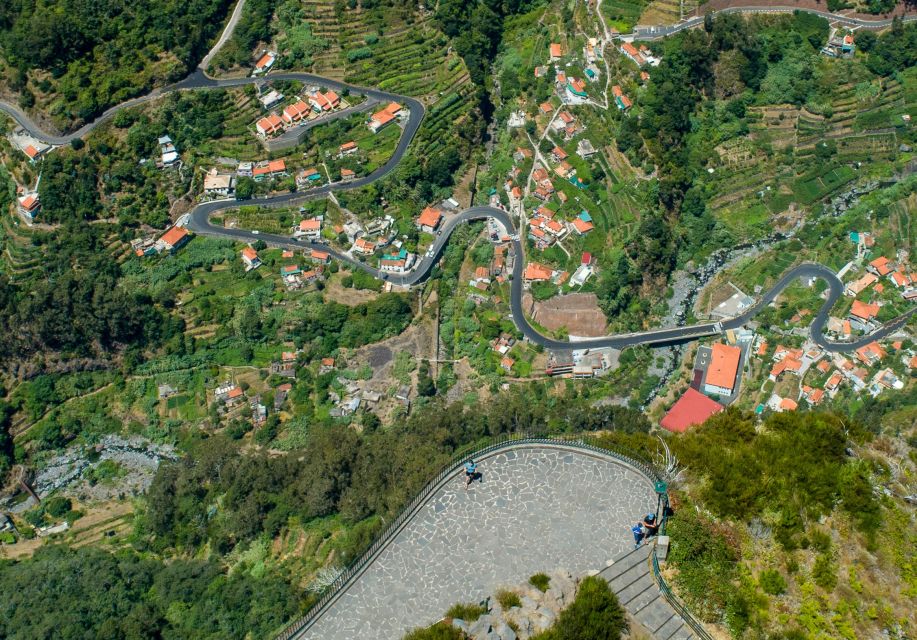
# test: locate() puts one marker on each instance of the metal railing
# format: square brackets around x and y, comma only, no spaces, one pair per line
[478,449]
[675,603]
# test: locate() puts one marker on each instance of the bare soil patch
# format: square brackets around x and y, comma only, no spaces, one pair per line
[579,313]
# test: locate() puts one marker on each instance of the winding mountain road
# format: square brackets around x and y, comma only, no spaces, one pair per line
[199,220]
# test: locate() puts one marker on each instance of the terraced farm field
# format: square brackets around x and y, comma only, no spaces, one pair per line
[666,11]
[808,156]
[399,50]
[623,14]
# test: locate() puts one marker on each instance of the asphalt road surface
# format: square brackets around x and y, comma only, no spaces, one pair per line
[199,223]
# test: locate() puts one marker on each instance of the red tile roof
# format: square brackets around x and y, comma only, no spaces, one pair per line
[863,310]
[691,409]
[535,271]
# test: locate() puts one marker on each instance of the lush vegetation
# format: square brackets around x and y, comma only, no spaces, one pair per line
[788,486]
[82,57]
[60,593]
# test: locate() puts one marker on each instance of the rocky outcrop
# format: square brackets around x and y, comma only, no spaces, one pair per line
[537,611]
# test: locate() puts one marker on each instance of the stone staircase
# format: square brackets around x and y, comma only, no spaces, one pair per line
[630,576]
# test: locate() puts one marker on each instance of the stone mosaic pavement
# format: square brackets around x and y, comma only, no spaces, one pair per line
[537,509]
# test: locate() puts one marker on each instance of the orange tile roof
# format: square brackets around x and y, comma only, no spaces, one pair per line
[566,116]
[327,362]
[174,235]
[481,272]
[264,61]
[382,117]
[347,146]
[823,366]
[310,225]
[834,380]
[429,217]
[788,404]
[582,226]
[617,91]
[235,392]
[345,173]
[31,151]
[863,310]
[249,253]
[816,396]
[29,202]
[880,264]
[320,255]
[724,365]
[546,107]
[535,271]
[762,348]
[556,50]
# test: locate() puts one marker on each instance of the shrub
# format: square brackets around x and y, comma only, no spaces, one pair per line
[438,631]
[824,572]
[508,599]
[595,614]
[466,612]
[58,506]
[540,581]
[772,582]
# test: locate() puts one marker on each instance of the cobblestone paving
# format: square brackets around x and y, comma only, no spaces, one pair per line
[537,509]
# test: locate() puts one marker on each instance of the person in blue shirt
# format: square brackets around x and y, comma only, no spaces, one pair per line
[639,534]
[471,472]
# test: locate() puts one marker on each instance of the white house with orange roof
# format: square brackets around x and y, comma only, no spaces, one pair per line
[264,63]
[363,246]
[29,207]
[268,170]
[296,112]
[250,259]
[269,125]
[310,229]
[429,220]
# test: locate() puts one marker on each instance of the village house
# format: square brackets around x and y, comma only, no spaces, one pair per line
[268,170]
[271,99]
[250,259]
[555,51]
[348,148]
[545,108]
[880,266]
[723,369]
[320,257]
[264,63]
[326,365]
[307,177]
[857,286]
[557,154]
[363,246]
[506,363]
[535,272]
[310,229]
[173,239]
[324,102]
[36,150]
[269,125]
[864,312]
[295,113]
[244,169]
[576,90]
[584,148]
[582,224]
[397,262]
[168,154]
[29,207]
[870,354]
[386,116]
[429,220]
[631,52]
[219,184]
[347,174]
